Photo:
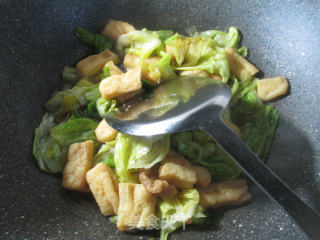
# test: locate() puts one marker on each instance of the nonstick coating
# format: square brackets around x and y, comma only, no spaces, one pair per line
[37,41]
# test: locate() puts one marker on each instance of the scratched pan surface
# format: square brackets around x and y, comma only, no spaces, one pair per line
[36,41]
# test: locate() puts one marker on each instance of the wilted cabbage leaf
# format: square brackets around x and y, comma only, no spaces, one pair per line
[51,157]
[140,43]
[176,212]
[138,152]
[74,130]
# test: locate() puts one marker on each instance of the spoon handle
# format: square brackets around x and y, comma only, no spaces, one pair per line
[268,181]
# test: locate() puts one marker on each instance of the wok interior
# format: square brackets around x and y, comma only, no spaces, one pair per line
[38,42]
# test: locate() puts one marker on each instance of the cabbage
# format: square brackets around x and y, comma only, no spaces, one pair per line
[105,106]
[97,41]
[243,51]
[175,213]
[51,157]
[86,94]
[83,83]
[68,100]
[259,130]
[132,153]
[92,93]
[163,66]
[261,121]
[199,53]
[106,154]
[147,152]
[178,46]
[140,43]
[62,102]
[161,69]
[74,130]
[222,39]
[69,74]
[92,111]
[122,154]
[105,72]
[234,85]
[164,34]
[212,60]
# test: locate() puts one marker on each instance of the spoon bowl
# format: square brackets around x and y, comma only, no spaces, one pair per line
[186,115]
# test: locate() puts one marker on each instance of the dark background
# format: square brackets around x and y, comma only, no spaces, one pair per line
[36,41]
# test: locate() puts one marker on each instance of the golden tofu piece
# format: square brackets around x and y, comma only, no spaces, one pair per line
[200,73]
[132,61]
[105,133]
[136,207]
[203,176]
[103,184]
[178,171]
[93,64]
[117,85]
[224,193]
[127,96]
[79,163]
[113,69]
[271,88]
[114,29]
[238,64]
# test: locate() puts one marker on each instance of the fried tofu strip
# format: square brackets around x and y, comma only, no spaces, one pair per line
[104,132]
[136,207]
[114,29]
[93,64]
[238,64]
[113,69]
[224,193]
[203,176]
[178,172]
[117,85]
[271,88]
[103,184]
[79,162]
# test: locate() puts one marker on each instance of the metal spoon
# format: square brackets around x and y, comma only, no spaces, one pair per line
[203,111]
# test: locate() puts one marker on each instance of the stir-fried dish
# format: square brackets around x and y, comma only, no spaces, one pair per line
[162,182]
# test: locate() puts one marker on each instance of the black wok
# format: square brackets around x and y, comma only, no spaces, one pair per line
[37,41]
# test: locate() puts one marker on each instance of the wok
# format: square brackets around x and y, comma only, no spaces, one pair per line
[37,41]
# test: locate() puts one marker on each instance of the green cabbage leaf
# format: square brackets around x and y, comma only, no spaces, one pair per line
[105,154]
[178,211]
[74,130]
[51,156]
[223,39]
[140,43]
[97,41]
[199,53]
[133,152]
